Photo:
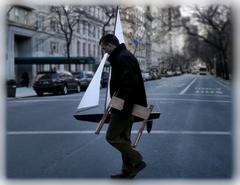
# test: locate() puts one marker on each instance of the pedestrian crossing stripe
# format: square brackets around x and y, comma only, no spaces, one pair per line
[208,90]
[181,132]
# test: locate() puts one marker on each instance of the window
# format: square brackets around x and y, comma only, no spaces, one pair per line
[84,49]
[78,48]
[91,10]
[99,52]
[94,31]
[94,50]
[54,48]
[89,50]
[26,17]
[39,45]
[84,27]
[99,33]
[97,12]
[53,25]
[40,22]
[78,27]
[16,12]
[89,29]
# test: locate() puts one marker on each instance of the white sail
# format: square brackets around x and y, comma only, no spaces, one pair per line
[119,34]
[91,97]
[118,29]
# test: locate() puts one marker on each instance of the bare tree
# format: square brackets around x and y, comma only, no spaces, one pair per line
[216,30]
[67,17]
[110,12]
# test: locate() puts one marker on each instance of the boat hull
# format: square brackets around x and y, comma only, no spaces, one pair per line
[97,117]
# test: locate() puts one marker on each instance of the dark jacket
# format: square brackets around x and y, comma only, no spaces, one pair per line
[126,78]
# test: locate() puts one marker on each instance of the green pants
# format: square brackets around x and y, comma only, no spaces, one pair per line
[119,136]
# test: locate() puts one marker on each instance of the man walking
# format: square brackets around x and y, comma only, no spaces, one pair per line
[126,83]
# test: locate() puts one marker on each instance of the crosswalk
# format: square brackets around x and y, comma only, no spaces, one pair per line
[208,90]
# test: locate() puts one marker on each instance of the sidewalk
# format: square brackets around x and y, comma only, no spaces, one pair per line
[24,92]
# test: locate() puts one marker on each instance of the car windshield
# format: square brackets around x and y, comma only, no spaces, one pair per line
[203,69]
[89,75]
[47,76]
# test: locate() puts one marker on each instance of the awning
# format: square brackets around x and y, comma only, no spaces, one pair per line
[54,60]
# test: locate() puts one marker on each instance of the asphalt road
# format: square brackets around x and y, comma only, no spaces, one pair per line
[191,140]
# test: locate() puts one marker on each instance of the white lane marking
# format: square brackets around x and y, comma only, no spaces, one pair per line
[133,132]
[211,93]
[49,100]
[176,94]
[193,100]
[207,90]
[171,100]
[186,88]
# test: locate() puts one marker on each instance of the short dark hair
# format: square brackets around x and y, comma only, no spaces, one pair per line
[109,38]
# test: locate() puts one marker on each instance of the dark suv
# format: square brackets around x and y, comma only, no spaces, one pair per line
[55,82]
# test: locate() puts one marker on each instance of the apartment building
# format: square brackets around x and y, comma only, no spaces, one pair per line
[139,35]
[32,32]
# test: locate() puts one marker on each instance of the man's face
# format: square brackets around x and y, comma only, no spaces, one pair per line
[107,47]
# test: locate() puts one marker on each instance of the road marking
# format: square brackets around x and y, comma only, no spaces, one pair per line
[133,132]
[211,93]
[190,132]
[152,99]
[46,100]
[194,100]
[207,90]
[186,88]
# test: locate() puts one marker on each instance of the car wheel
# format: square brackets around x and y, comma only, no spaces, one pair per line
[65,90]
[39,93]
[78,88]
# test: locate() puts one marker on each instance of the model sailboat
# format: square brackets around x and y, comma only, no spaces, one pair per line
[91,97]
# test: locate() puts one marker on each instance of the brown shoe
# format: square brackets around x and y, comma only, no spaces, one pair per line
[138,168]
[121,175]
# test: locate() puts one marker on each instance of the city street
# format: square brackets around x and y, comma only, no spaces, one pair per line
[192,139]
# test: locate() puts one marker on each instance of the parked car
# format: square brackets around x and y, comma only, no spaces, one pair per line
[194,71]
[146,76]
[177,73]
[55,82]
[169,74]
[84,78]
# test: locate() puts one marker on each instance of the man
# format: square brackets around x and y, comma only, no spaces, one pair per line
[126,83]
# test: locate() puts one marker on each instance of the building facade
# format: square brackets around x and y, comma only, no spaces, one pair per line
[32,32]
[139,36]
